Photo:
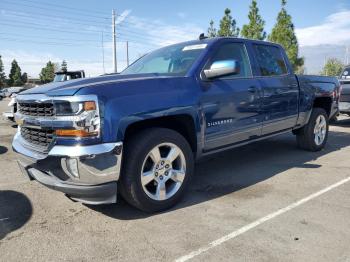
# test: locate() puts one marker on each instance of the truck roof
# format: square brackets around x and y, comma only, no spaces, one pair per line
[218,39]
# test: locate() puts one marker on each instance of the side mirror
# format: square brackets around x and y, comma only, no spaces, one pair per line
[222,68]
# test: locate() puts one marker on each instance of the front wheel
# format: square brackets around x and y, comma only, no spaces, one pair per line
[313,136]
[157,169]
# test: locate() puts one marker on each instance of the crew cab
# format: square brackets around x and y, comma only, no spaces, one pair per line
[141,131]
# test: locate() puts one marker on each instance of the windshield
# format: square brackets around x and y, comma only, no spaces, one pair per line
[59,78]
[346,73]
[172,60]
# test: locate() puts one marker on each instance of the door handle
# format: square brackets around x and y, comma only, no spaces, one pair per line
[252,89]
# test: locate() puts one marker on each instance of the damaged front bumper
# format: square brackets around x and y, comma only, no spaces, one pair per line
[87,174]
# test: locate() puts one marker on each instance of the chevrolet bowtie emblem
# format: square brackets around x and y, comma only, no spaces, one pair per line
[19,121]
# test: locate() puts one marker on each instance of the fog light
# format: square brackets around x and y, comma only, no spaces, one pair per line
[72,167]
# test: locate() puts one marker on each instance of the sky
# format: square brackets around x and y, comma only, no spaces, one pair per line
[79,31]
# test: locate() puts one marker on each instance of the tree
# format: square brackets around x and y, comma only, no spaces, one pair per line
[2,74]
[333,67]
[212,32]
[24,77]
[255,28]
[228,25]
[283,34]
[64,66]
[17,77]
[15,74]
[48,73]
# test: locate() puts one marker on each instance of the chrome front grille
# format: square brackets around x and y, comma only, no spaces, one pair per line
[36,109]
[37,137]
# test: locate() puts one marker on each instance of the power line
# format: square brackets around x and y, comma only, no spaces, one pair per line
[126,36]
[75,11]
[45,42]
[58,29]
[51,26]
[52,38]
[41,42]
[131,40]
[123,30]
[52,30]
[89,11]
[35,15]
[65,7]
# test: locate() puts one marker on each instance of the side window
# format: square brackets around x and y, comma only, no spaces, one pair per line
[234,51]
[270,60]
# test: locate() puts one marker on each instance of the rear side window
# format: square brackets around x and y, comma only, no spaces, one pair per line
[234,51]
[270,60]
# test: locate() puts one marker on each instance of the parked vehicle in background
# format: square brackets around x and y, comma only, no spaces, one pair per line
[344,105]
[10,114]
[13,90]
[59,77]
[3,92]
[142,130]
[68,75]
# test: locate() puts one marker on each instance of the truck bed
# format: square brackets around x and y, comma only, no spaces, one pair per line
[319,79]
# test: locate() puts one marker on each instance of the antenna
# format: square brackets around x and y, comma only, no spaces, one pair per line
[103,55]
[202,36]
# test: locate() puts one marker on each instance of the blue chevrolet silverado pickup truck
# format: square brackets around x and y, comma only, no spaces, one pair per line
[141,131]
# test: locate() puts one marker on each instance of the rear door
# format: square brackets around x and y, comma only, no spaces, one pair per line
[231,104]
[279,87]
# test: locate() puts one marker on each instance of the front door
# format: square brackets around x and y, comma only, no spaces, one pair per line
[231,104]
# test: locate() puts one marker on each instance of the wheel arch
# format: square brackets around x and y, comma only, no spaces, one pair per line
[325,103]
[185,124]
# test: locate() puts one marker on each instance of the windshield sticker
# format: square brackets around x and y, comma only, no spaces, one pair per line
[194,47]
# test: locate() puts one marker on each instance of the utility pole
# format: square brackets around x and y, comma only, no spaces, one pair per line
[347,55]
[103,55]
[114,43]
[127,53]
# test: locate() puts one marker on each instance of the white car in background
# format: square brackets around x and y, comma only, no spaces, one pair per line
[10,115]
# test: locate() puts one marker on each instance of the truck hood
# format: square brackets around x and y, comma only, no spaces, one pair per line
[69,88]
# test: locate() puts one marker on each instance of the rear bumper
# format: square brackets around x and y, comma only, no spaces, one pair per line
[87,174]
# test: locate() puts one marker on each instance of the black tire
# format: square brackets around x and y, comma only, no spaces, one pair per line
[136,151]
[306,135]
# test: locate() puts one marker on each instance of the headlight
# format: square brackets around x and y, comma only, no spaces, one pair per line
[84,117]
[65,108]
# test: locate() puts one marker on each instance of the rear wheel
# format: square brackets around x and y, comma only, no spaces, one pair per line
[313,136]
[157,169]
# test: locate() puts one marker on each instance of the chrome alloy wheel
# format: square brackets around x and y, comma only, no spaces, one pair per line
[163,171]
[320,130]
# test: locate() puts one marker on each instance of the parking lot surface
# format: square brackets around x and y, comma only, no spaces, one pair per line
[267,201]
